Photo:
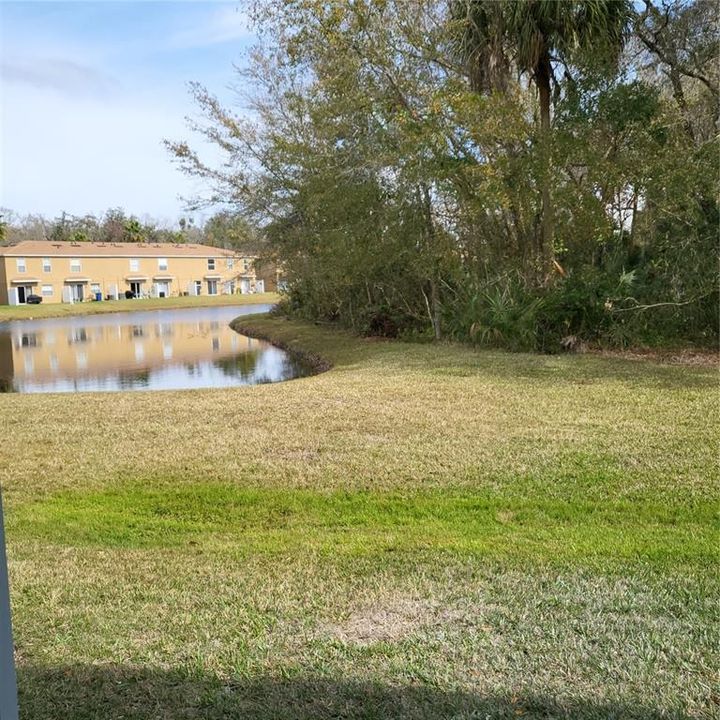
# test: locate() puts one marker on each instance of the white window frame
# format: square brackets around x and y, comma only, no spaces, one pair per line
[47,265]
[230,263]
[134,265]
[211,263]
[73,263]
[214,285]
[21,265]
[47,290]
[162,264]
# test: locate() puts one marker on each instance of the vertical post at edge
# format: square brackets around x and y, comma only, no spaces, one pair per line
[8,686]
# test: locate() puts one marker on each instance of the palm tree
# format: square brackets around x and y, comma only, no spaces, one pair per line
[533,35]
[134,231]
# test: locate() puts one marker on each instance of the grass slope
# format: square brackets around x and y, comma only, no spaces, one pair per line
[52,310]
[421,532]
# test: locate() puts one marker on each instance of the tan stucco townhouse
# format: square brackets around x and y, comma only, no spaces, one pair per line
[74,272]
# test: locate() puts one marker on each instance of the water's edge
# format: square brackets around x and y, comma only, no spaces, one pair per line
[316,363]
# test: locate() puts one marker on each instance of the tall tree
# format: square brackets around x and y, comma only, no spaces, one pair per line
[536,36]
[682,40]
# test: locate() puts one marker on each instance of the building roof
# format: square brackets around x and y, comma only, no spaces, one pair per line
[47,248]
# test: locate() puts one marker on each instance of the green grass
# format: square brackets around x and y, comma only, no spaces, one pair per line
[52,310]
[421,532]
[228,518]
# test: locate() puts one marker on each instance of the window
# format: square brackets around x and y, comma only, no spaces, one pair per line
[78,335]
[47,290]
[162,264]
[27,340]
[212,287]
[246,265]
[198,287]
[211,263]
[134,265]
[47,265]
[230,263]
[21,267]
[75,265]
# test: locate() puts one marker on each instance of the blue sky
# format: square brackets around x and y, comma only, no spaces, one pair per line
[88,91]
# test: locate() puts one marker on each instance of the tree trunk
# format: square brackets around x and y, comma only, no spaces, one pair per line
[435,304]
[434,309]
[542,77]
[679,97]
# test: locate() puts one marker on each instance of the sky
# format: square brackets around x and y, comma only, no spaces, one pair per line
[89,90]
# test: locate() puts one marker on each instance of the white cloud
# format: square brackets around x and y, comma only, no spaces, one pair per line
[83,117]
[62,75]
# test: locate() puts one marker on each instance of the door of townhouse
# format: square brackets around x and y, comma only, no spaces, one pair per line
[245,286]
[77,291]
[212,287]
[136,288]
[22,292]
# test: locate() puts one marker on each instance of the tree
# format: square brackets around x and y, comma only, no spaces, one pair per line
[537,36]
[134,231]
[231,231]
[407,187]
[682,40]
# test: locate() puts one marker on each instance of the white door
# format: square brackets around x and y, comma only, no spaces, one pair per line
[245,286]
[260,286]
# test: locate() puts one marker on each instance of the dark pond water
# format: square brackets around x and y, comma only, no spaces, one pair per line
[160,350]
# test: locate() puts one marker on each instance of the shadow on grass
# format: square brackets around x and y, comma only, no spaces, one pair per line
[107,692]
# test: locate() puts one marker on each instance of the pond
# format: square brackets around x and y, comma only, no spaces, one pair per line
[149,350]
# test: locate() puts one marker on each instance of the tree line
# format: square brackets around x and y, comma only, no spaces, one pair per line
[512,172]
[223,229]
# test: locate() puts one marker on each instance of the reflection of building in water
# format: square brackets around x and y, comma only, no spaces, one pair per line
[7,362]
[76,351]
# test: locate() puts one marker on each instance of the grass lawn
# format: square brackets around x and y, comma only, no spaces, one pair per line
[52,310]
[422,532]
